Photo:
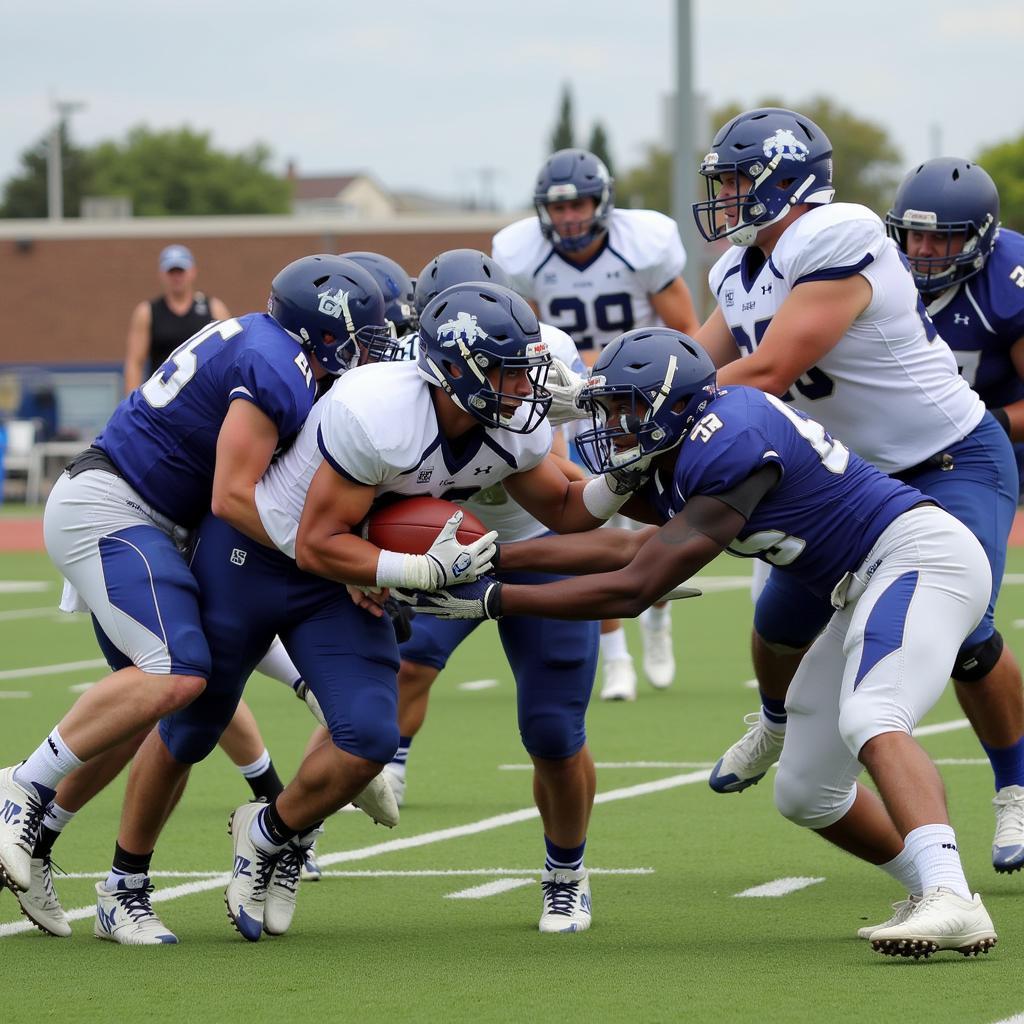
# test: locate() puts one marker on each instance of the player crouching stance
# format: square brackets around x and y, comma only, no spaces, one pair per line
[735,469]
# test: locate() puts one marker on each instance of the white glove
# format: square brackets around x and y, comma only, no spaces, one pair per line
[446,563]
[565,388]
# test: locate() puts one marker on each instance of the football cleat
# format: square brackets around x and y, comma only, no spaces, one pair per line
[311,871]
[1008,844]
[659,658]
[746,761]
[939,920]
[246,894]
[395,777]
[901,911]
[125,914]
[619,679]
[283,890]
[21,812]
[565,901]
[378,801]
[39,901]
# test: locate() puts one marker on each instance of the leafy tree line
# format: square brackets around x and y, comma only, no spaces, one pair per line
[165,173]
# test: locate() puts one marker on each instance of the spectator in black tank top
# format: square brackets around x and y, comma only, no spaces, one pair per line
[159,326]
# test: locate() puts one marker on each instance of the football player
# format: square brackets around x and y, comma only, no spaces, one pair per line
[197,435]
[733,468]
[595,271]
[822,308]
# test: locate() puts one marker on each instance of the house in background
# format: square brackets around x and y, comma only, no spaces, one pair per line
[357,196]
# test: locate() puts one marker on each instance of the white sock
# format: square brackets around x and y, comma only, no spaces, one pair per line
[258,767]
[655,617]
[56,819]
[776,727]
[903,869]
[278,665]
[260,838]
[48,764]
[937,860]
[613,645]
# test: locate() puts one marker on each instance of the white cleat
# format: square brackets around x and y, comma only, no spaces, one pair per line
[378,801]
[311,871]
[619,679]
[246,894]
[395,778]
[746,761]
[939,920]
[283,890]
[659,658]
[125,914]
[1008,844]
[901,911]
[565,901]
[39,901]
[21,812]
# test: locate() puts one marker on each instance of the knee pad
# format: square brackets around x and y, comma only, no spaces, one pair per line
[552,733]
[807,803]
[976,662]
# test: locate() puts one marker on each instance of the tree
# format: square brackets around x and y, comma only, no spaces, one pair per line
[25,194]
[177,172]
[599,146]
[867,164]
[564,135]
[1005,162]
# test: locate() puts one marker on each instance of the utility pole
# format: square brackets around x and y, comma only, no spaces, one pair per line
[685,146]
[54,158]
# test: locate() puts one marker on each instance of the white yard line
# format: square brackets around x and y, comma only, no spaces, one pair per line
[96,876]
[780,887]
[24,586]
[479,684]
[52,670]
[619,764]
[500,885]
[394,845]
[1017,1018]
[31,613]
[939,727]
[14,694]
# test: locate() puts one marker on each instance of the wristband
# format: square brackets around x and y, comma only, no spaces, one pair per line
[406,572]
[600,500]
[1000,416]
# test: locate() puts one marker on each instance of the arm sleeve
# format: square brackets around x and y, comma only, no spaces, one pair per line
[838,250]
[346,445]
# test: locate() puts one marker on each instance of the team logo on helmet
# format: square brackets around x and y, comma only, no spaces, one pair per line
[336,304]
[462,329]
[786,145]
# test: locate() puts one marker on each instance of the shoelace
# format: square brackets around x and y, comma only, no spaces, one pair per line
[31,821]
[560,897]
[135,902]
[1010,821]
[48,867]
[265,864]
[286,872]
[763,738]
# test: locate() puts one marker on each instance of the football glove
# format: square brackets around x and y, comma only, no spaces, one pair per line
[565,387]
[478,600]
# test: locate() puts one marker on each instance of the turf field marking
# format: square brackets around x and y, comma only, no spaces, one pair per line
[393,845]
[32,613]
[51,670]
[14,694]
[23,586]
[781,886]
[962,760]
[621,764]
[1017,1018]
[97,876]
[80,687]
[938,727]
[479,684]
[500,885]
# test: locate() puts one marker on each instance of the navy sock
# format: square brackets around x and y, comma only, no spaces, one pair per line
[1007,763]
[774,710]
[566,858]
[44,842]
[126,863]
[274,828]
[266,785]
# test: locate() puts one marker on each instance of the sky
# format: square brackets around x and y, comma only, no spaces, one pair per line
[459,98]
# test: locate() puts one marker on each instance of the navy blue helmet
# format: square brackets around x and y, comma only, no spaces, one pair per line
[333,308]
[645,392]
[456,266]
[396,286]
[473,329]
[949,197]
[574,174]
[780,158]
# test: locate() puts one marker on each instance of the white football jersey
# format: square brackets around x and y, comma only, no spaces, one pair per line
[595,302]
[377,426]
[890,388]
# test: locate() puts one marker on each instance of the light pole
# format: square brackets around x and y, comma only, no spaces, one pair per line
[54,162]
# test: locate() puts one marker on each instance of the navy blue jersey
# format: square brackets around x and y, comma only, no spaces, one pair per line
[983,317]
[826,512]
[163,436]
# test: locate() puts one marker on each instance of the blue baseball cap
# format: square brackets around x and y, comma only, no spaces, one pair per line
[176,257]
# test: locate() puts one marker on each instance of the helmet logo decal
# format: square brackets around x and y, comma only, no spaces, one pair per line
[786,145]
[462,329]
[336,304]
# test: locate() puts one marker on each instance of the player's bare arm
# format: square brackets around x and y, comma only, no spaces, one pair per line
[717,340]
[219,310]
[674,305]
[550,496]
[576,553]
[137,346]
[808,325]
[245,445]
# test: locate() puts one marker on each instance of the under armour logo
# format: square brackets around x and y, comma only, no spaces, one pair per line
[961,319]
[241,866]
[238,556]
[482,469]
[766,289]
[9,812]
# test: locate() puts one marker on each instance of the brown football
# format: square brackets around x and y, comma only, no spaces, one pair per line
[412,524]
